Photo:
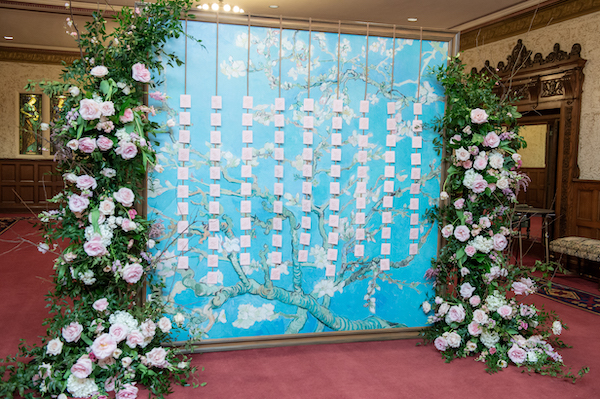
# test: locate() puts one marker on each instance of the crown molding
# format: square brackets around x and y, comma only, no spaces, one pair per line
[524,22]
[36,56]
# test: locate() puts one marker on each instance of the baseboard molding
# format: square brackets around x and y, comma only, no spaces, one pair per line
[337,337]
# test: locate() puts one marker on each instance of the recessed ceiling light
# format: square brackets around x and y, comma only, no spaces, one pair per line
[273,6]
[412,19]
[8,37]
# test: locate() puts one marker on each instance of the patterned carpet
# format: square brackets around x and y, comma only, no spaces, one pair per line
[572,297]
[7,223]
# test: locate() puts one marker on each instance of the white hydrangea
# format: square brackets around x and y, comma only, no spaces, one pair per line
[495,300]
[87,278]
[105,231]
[81,387]
[489,338]
[123,136]
[122,317]
[483,244]
[470,177]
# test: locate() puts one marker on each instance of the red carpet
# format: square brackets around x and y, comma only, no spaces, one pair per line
[389,369]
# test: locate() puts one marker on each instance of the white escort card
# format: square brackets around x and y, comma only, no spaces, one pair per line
[336,123]
[247,154]
[388,201]
[215,137]
[183,191]
[414,204]
[214,190]
[245,206]
[309,122]
[213,225]
[384,264]
[278,154]
[414,219]
[303,255]
[386,233]
[336,171]
[413,249]
[246,189]
[359,234]
[183,154]
[334,204]
[182,227]
[336,139]
[391,108]
[390,140]
[277,224]
[279,121]
[280,104]
[334,220]
[185,101]
[278,207]
[415,159]
[385,248]
[413,234]
[245,241]
[309,105]
[215,172]
[184,118]
[417,108]
[338,105]
[417,142]
[275,272]
[364,106]
[183,173]
[415,173]
[361,203]
[277,240]
[246,171]
[244,259]
[215,119]
[215,154]
[247,102]
[245,223]
[214,208]
[278,171]
[389,171]
[183,262]
[332,254]
[363,123]
[216,102]
[329,270]
[247,136]
[307,138]
[307,154]
[212,278]
[182,244]
[246,119]
[182,208]
[306,222]
[184,136]
[279,137]
[304,238]
[212,260]
[359,250]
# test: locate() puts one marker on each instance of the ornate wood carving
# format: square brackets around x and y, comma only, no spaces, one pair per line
[531,20]
[13,54]
[566,172]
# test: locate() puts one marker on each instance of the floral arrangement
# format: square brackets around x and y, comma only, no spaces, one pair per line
[102,337]
[476,311]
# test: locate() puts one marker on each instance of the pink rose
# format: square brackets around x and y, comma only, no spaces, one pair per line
[125,196]
[107,108]
[459,203]
[104,346]
[505,311]
[107,207]
[118,331]
[480,163]
[127,150]
[462,233]
[491,140]
[157,95]
[462,154]
[474,329]
[132,213]
[148,328]
[82,368]
[443,309]
[95,247]
[470,250]
[109,384]
[500,242]
[87,145]
[447,230]
[104,143]
[520,288]
[479,185]
[140,73]
[99,71]
[127,392]
[132,272]
[480,316]
[127,116]
[466,290]
[89,109]
[128,225]
[479,116]
[467,164]
[164,324]
[440,344]
[157,357]
[78,203]
[100,305]
[134,339]
[72,332]
[85,182]
[456,314]
[475,300]
[516,354]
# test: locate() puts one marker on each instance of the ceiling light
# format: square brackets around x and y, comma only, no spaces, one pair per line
[219,6]
[412,19]
[273,6]
[8,37]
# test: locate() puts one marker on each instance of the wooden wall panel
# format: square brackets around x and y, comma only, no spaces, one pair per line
[27,184]
[536,192]
[586,215]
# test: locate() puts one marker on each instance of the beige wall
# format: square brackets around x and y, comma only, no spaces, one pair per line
[582,30]
[13,77]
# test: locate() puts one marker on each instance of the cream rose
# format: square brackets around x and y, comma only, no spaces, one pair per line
[125,196]
[157,357]
[107,108]
[118,331]
[107,207]
[99,71]
[104,346]
[453,339]
[100,305]
[127,116]
[85,182]
[78,203]
[479,116]
[135,338]
[127,150]
[54,347]
[72,332]
[89,109]
[83,367]
[140,73]
[148,328]
[164,324]
[132,272]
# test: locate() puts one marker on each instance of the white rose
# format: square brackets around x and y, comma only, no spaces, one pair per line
[443,309]
[54,347]
[73,144]
[165,324]
[179,319]
[444,196]
[502,183]
[74,91]
[426,307]
[462,154]
[453,339]
[107,207]
[126,361]
[556,327]
[99,71]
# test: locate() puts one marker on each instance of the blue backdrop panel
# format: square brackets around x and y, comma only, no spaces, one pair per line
[245,302]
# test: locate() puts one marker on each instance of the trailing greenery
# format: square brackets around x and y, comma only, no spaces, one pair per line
[476,311]
[101,336]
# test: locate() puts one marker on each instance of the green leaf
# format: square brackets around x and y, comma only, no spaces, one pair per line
[105,87]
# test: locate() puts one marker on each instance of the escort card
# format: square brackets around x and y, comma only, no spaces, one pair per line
[388,201]
[215,172]
[389,171]
[334,188]
[333,238]
[385,248]
[415,159]
[336,139]
[338,105]
[359,250]
[362,157]
[214,208]
[363,123]
[246,119]
[415,173]
[303,255]
[277,240]
[215,154]
[308,122]
[215,137]
[182,244]
[184,136]
[417,125]
[336,123]
[247,136]
[184,118]
[212,260]
[336,154]
[185,101]
[307,188]
[390,140]
[246,189]
[183,154]
[388,186]
[277,224]
[384,264]
[413,234]
[386,233]
[213,225]
[361,187]
[215,119]
[280,104]
[278,172]
[214,190]
[247,154]
[307,154]
[364,106]
[247,102]
[213,243]
[183,262]
[183,191]
[244,259]
[415,188]
[245,206]
[329,270]
[309,105]
[245,223]
[359,218]
[182,208]
[414,219]
[359,234]
[336,171]
[361,203]
[390,157]
[307,138]
[279,137]
[306,222]
[216,102]
[361,172]
[390,124]
[414,204]
[391,108]
[246,171]
[278,207]
[417,108]
[279,120]
[334,220]
[182,227]
[183,173]
[306,205]
[413,249]
[278,154]
[417,142]
[212,278]
[334,204]
[304,238]
[245,241]
[386,217]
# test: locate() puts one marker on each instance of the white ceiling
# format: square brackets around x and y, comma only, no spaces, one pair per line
[41,23]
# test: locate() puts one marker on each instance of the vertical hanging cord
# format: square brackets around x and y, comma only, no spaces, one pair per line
[217,60]
[393,62]
[280,39]
[337,91]
[185,61]
[309,54]
[367,64]
[248,64]
[420,59]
